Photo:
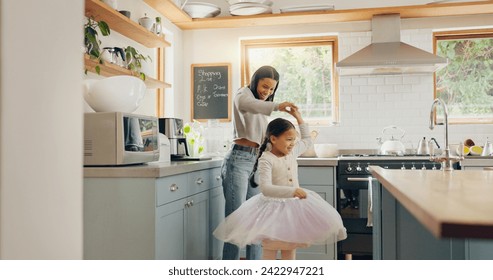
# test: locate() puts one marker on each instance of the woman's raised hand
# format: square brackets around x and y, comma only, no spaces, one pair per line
[287,106]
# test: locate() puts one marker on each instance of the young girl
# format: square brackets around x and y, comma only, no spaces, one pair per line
[284,216]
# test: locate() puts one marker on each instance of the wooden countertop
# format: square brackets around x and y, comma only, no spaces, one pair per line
[457,204]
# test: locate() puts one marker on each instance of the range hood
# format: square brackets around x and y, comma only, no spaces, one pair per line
[387,54]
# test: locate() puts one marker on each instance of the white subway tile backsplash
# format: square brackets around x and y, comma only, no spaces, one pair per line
[344,81]
[370,103]
[393,80]
[403,88]
[392,96]
[385,89]
[368,90]
[377,80]
[359,81]
[350,89]
[411,79]
[360,98]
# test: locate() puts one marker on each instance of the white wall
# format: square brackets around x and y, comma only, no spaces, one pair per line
[367,104]
[41,129]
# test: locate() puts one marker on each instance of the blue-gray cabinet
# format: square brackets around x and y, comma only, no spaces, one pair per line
[397,235]
[151,218]
[216,215]
[320,179]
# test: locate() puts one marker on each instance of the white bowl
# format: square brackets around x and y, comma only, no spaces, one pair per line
[201,10]
[326,150]
[115,94]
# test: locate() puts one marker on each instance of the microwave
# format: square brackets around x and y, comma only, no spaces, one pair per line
[117,138]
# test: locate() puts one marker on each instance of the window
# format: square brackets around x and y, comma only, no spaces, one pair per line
[466,83]
[306,67]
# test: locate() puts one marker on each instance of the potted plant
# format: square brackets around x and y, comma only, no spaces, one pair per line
[91,41]
[134,60]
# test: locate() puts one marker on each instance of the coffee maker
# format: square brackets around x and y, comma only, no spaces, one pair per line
[173,129]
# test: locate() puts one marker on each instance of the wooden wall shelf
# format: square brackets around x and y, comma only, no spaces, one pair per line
[169,9]
[123,25]
[108,70]
[183,21]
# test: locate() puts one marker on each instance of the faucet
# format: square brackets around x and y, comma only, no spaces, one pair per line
[445,159]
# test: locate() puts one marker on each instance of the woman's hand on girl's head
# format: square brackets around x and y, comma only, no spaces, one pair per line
[299,193]
[287,107]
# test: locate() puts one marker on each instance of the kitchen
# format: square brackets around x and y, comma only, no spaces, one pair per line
[26,233]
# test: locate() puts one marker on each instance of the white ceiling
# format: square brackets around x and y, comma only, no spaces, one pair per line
[338,4]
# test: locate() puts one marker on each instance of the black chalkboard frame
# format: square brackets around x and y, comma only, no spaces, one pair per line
[226,69]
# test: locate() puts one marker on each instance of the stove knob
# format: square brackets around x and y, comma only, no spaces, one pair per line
[434,167]
[358,168]
[424,167]
[367,169]
[413,167]
[403,167]
[349,169]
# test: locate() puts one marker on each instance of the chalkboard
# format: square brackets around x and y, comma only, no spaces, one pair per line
[211,91]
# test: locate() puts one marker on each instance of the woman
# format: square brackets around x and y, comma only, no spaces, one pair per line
[252,105]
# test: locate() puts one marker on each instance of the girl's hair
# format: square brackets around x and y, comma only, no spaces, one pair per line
[275,128]
[261,73]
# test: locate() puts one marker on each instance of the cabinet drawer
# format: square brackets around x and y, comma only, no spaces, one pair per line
[199,181]
[216,180]
[171,188]
[316,175]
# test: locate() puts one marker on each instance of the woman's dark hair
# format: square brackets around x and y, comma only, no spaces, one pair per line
[261,73]
[275,128]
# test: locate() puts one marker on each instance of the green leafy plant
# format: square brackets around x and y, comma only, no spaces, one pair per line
[91,41]
[134,60]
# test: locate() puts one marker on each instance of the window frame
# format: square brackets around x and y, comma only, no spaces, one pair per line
[297,41]
[457,35]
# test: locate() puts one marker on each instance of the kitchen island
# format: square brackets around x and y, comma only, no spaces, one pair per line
[426,214]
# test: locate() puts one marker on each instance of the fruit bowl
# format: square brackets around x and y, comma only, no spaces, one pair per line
[115,94]
[476,150]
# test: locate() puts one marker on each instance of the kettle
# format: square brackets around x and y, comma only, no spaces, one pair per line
[393,146]
[426,148]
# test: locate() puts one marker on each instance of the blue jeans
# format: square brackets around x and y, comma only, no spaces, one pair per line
[235,172]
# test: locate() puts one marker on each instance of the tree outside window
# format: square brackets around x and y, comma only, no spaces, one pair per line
[306,68]
[466,83]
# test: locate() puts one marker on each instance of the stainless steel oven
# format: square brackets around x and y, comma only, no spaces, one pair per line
[353,199]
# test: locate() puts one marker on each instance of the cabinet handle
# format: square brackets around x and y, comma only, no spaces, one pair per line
[218,177]
[362,179]
[191,203]
[199,181]
[173,187]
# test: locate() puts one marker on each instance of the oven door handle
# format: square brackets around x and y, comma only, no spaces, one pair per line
[359,179]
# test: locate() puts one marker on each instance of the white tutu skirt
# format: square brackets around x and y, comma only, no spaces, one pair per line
[303,221]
